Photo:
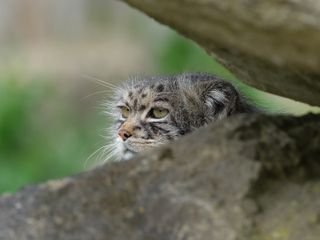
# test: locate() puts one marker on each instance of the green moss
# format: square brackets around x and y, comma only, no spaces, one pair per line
[280,233]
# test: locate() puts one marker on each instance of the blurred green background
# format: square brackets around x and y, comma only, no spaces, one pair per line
[50,104]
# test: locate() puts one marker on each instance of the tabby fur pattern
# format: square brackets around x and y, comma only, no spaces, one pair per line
[184,102]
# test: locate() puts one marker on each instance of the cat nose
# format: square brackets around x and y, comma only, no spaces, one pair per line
[124,134]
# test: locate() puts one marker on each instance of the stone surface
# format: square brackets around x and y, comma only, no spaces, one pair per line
[271,45]
[251,177]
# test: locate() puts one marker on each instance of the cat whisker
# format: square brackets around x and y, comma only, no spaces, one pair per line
[92,155]
[106,112]
[113,153]
[95,93]
[108,105]
[107,152]
[108,138]
[102,83]
[103,155]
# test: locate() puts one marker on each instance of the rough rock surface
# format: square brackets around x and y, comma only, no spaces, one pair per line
[272,45]
[252,177]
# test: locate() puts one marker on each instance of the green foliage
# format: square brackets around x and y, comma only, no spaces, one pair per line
[40,138]
[180,55]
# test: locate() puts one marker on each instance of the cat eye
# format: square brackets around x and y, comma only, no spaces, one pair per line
[125,111]
[158,112]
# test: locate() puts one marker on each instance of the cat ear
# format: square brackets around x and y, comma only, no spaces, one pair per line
[220,99]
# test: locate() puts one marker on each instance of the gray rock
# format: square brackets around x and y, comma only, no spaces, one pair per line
[249,177]
[271,45]
[252,177]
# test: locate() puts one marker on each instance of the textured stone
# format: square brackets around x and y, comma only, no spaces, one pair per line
[271,45]
[252,177]
[249,177]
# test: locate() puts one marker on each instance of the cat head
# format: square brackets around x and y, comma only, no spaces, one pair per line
[152,111]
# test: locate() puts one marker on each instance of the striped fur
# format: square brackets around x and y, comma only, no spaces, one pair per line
[192,100]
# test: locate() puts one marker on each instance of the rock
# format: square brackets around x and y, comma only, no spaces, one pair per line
[271,45]
[247,177]
[252,177]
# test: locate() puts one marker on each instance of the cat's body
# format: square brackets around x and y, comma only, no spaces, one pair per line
[152,111]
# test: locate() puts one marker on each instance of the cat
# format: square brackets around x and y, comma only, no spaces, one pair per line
[151,111]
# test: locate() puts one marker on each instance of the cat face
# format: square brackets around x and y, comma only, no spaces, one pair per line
[153,111]
[144,118]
